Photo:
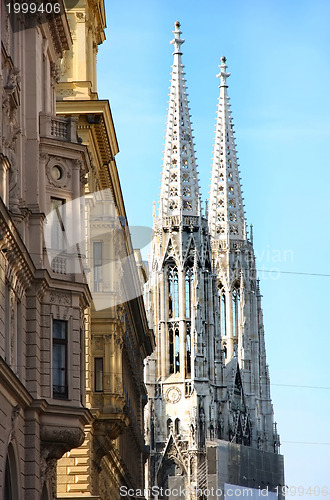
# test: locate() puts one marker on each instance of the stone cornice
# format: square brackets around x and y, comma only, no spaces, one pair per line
[13,385]
[64,286]
[60,31]
[93,107]
[13,247]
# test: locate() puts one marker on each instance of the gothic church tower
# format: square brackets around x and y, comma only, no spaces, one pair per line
[207,379]
[241,319]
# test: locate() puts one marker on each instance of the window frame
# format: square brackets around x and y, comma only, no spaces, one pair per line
[173,291]
[97,267]
[58,226]
[235,303]
[189,277]
[98,382]
[64,343]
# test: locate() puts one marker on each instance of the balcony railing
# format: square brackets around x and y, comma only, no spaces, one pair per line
[55,127]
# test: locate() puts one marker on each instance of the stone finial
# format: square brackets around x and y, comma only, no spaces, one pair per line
[223,75]
[177,41]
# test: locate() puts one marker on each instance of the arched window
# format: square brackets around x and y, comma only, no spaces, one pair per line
[44,495]
[8,482]
[225,351]
[222,308]
[235,310]
[11,489]
[188,349]
[177,426]
[189,283]
[176,349]
[169,426]
[171,345]
[173,291]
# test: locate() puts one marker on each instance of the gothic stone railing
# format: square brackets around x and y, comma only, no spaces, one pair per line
[187,220]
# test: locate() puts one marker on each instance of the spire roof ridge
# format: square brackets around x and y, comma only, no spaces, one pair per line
[226,209]
[179,186]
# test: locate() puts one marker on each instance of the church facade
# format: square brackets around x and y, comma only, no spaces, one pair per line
[210,419]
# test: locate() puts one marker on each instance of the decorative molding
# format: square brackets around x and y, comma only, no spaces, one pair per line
[63,180]
[58,298]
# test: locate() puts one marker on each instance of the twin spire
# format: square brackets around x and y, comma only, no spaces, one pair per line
[180,187]
[226,211]
[180,194]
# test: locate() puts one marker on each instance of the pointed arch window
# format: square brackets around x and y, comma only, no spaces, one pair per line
[174,347]
[188,349]
[176,350]
[171,347]
[8,482]
[169,426]
[222,309]
[235,309]
[188,284]
[173,289]
[11,483]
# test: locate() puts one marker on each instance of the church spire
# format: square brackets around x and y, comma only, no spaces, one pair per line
[179,188]
[226,211]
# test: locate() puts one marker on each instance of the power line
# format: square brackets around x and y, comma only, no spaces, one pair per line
[291,272]
[302,386]
[305,442]
[275,270]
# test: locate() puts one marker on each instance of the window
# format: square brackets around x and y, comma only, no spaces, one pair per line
[177,426]
[173,289]
[187,389]
[7,323]
[56,217]
[222,307]
[177,350]
[97,265]
[189,283]
[8,482]
[11,479]
[188,349]
[235,310]
[174,347]
[60,348]
[171,340]
[98,374]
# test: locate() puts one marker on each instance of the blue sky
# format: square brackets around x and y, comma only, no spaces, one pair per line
[278,56]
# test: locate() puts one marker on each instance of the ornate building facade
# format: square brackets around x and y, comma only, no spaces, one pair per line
[117,334]
[210,418]
[42,392]
[73,328]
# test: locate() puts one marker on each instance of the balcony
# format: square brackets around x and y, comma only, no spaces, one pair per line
[59,128]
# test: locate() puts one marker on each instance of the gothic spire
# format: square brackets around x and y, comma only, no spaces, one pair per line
[226,211]
[179,187]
